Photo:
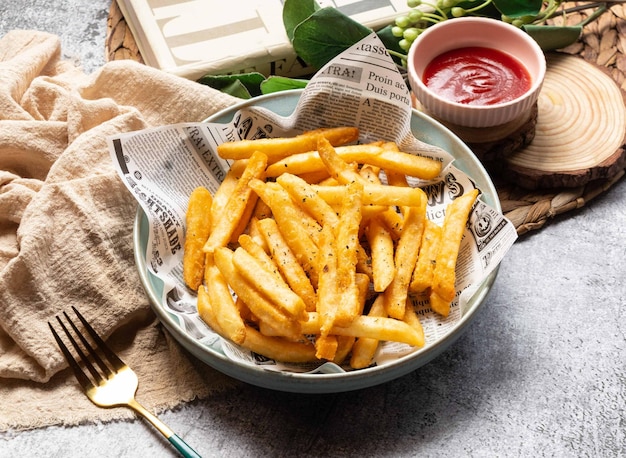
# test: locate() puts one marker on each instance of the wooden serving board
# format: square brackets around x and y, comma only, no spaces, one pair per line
[564,154]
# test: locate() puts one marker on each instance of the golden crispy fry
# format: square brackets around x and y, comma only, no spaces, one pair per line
[327,289]
[405,258]
[382,252]
[223,305]
[425,266]
[364,262]
[344,346]
[241,200]
[347,234]
[372,154]
[379,328]
[287,263]
[438,304]
[260,306]
[261,210]
[365,348]
[394,222]
[289,220]
[373,194]
[206,311]
[303,193]
[198,226]
[444,276]
[225,190]
[370,174]
[258,252]
[310,161]
[277,348]
[269,283]
[278,148]
[255,233]
[411,318]
[336,166]
[326,347]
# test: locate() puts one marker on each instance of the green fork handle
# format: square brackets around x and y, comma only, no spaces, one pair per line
[182,447]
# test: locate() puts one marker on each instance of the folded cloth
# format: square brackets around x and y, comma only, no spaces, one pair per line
[66,227]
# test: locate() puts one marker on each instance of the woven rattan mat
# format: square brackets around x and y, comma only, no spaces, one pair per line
[603,43]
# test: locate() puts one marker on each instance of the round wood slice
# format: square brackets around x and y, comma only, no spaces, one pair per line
[581,129]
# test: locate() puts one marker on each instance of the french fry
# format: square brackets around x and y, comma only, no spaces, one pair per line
[336,166]
[327,289]
[405,258]
[277,348]
[326,346]
[308,198]
[270,284]
[254,233]
[225,190]
[347,234]
[382,252]
[411,318]
[379,328]
[288,217]
[287,263]
[427,258]
[206,312]
[238,203]
[223,305]
[394,222]
[373,194]
[261,210]
[261,307]
[198,226]
[344,346]
[310,161]
[260,255]
[372,154]
[365,348]
[278,148]
[444,276]
[370,174]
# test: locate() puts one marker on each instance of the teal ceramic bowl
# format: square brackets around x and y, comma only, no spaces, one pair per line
[283,103]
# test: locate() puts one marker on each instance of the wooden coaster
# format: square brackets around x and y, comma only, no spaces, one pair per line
[581,129]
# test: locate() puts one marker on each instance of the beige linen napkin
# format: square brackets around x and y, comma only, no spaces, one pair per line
[66,228]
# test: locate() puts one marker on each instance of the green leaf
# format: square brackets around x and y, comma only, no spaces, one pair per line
[518,8]
[551,37]
[325,34]
[296,11]
[243,85]
[281,83]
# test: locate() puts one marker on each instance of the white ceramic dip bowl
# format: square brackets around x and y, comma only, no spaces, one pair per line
[472,32]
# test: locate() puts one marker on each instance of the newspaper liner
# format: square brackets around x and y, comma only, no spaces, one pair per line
[361,87]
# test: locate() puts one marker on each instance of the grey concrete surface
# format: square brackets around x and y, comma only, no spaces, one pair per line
[541,372]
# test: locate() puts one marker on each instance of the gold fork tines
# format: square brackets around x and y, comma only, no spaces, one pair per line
[107,381]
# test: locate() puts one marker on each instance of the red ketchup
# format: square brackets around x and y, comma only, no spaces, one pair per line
[477,76]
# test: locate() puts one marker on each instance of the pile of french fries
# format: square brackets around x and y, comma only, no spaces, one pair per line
[321,255]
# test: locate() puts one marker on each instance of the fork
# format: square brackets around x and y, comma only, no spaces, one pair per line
[114,384]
